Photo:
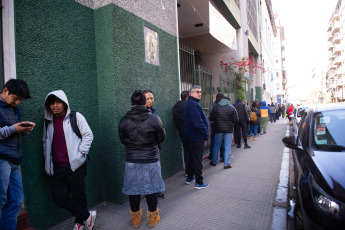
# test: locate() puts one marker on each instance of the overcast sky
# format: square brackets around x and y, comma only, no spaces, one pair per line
[305,23]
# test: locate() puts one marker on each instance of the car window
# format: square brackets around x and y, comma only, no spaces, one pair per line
[301,111]
[302,126]
[328,130]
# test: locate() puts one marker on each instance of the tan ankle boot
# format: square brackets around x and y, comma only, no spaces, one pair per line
[153,218]
[136,218]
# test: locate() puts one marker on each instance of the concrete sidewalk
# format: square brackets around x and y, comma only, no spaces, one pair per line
[242,197]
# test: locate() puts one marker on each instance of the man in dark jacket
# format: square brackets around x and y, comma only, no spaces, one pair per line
[219,97]
[178,112]
[196,133]
[12,130]
[223,116]
[242,124]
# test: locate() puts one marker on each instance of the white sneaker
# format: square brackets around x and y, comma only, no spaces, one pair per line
[90,222]
[78,227]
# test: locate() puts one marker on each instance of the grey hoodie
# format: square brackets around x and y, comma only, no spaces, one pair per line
[77,148]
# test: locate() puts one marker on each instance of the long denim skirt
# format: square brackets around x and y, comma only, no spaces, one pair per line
[142,179]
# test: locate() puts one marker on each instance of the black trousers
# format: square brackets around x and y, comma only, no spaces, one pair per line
[65,181]
[195,150]
[134,202]
[241,130]
[185,154]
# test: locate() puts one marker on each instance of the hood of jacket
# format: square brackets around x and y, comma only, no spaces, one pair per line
[60,94]
[224,102]
[138,113]
[263,103]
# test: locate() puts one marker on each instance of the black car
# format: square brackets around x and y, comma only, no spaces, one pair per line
[319,157]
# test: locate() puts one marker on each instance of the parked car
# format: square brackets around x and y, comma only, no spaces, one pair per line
[296,117]
[319,157]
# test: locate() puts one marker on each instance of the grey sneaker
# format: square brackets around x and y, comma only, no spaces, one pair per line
[90,222]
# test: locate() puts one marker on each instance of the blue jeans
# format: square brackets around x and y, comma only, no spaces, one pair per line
[253,129]
[226,138]
[222,148]
[11,194]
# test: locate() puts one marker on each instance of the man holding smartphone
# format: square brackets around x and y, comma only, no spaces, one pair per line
[11,132]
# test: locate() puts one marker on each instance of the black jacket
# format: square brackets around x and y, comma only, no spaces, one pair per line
[223,117]
[241,111]
[141,132]
[178,112]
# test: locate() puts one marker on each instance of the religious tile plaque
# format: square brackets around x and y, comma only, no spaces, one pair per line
[151,46]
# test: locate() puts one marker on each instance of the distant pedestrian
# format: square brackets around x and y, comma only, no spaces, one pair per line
[241,125]
[283,110]
[196,133]
[290,110]
[141,131]
[65,157]
[279,111]
[254,120]
[219,97]
[149,104]
[12,130]
[272,115]
[224,117]
[178,112]
[265,112]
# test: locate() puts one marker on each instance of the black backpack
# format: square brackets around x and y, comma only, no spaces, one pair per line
[73,120]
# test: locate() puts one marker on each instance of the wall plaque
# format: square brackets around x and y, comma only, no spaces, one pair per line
[151,46]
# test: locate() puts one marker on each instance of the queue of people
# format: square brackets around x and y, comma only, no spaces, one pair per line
[67,139]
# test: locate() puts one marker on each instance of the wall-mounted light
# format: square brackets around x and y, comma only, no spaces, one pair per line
[246,32]
[199,25]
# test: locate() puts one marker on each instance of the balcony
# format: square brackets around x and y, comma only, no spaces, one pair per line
[336,27]
[330,46]
[330,36]
[336,38]
[337,49]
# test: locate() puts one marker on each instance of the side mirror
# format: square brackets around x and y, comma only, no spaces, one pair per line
[291,142]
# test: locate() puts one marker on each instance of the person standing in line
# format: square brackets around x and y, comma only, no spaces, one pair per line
[283,111]
[224,117]
[248,113]
[219,97]
[12,129]
[273,112]
[141,132]
[265,112]
[254,123]
[65,155]
[279,110]
[241,125]
[149,104]
[178,112]
[196,131]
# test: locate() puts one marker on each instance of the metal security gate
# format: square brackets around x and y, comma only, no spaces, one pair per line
[195,75]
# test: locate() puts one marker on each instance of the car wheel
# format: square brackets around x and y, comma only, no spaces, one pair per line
[298,217]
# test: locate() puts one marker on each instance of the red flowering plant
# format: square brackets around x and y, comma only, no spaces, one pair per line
[238,67]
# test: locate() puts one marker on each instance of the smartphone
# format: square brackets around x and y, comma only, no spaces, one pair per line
[28,124]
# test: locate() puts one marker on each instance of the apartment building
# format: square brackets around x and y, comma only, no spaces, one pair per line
[335,77]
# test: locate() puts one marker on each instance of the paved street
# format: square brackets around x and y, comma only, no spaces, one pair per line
[243,197]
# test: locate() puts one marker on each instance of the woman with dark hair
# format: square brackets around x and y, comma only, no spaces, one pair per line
[254,120]
[141,132]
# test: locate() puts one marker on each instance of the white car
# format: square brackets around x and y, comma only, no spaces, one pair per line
[296,117]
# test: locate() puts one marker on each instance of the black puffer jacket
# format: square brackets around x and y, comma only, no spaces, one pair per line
[141,132]
[241,110]
[224,116]
[178,112]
